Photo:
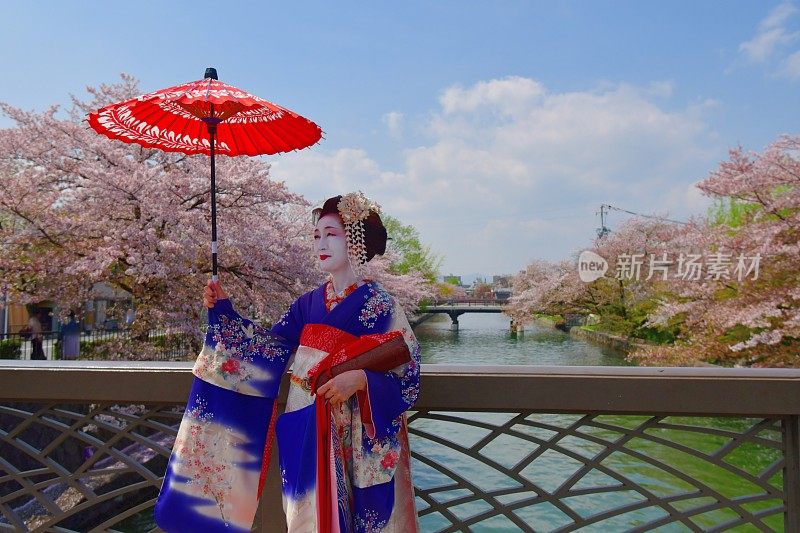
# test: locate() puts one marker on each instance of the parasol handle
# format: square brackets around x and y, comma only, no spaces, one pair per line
[212,130]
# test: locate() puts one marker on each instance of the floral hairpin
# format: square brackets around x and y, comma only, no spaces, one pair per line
[354,208]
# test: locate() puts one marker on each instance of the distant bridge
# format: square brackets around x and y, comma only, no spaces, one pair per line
[456,308]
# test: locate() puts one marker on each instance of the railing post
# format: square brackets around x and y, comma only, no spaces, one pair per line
[791,481]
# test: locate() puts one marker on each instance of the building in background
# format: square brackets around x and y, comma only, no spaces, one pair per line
[109,309]
[501,281]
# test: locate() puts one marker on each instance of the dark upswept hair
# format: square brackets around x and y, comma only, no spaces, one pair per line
[374,231]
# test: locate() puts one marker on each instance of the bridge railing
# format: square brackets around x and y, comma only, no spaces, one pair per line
[19,346]
[492,301]
[84,445]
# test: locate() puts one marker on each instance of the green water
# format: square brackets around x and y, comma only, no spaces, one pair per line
[665,472]
[486,339]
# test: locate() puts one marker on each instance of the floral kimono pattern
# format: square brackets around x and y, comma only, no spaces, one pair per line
[214,477]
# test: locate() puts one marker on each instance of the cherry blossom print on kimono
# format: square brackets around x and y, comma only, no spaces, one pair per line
[342,469]
[212,482]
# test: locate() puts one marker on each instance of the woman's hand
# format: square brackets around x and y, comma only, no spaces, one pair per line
[341,387]
[212,293]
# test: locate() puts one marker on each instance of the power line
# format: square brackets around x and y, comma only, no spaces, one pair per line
[643,215]
[604,230]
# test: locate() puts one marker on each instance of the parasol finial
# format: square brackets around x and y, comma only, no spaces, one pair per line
[211,72]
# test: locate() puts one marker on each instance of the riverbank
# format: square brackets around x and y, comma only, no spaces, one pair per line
[417,320]
[617,342]
[602,338]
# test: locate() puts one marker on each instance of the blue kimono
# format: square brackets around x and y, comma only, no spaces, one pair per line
[214,477]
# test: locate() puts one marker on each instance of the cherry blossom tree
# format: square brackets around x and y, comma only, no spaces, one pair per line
[737,315]
[622,297]
[409,289]
[79,208]
[642,275]
[726,285]
[531,288]
[445,291]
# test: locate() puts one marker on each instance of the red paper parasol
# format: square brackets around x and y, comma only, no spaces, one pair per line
[206,117]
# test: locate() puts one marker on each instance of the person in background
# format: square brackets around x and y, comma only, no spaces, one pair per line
[130,316]
[71,338]
[35,326]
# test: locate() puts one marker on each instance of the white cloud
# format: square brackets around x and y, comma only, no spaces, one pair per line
[771,34]
[511,171]
[394,123]
[319,174]
[791,66]
[684,199]
[664,88]
[778,16]
[507,95]
[770,45]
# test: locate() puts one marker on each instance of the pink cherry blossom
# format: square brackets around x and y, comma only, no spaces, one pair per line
[78,208]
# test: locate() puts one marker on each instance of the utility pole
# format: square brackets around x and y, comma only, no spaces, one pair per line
[603,230]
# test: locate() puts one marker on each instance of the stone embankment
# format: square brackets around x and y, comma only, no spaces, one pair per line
[616,342]
[416,320]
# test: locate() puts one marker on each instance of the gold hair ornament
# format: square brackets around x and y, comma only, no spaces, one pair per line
[354,208]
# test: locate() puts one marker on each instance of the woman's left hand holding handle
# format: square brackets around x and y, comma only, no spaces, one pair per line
[212,293]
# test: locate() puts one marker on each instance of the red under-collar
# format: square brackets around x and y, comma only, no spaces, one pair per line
[331,298]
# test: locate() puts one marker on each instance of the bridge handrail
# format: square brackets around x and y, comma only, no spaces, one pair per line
[710,390]
[471,301]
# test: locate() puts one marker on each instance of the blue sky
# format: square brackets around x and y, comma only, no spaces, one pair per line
[497,129]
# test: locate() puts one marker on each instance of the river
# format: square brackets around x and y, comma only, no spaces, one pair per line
[486,339]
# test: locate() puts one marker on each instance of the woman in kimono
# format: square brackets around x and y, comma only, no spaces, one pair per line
[343,440]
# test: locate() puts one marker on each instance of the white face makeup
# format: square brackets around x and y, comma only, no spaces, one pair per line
[330,243]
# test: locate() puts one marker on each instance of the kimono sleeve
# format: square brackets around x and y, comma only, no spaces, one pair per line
[391,393]
[242,356]
[290,324]
[214,475]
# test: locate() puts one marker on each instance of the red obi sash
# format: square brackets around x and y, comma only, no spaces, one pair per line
[341,347]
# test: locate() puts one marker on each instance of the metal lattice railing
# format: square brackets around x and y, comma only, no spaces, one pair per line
[83,447]
[82,467]
[548,472]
